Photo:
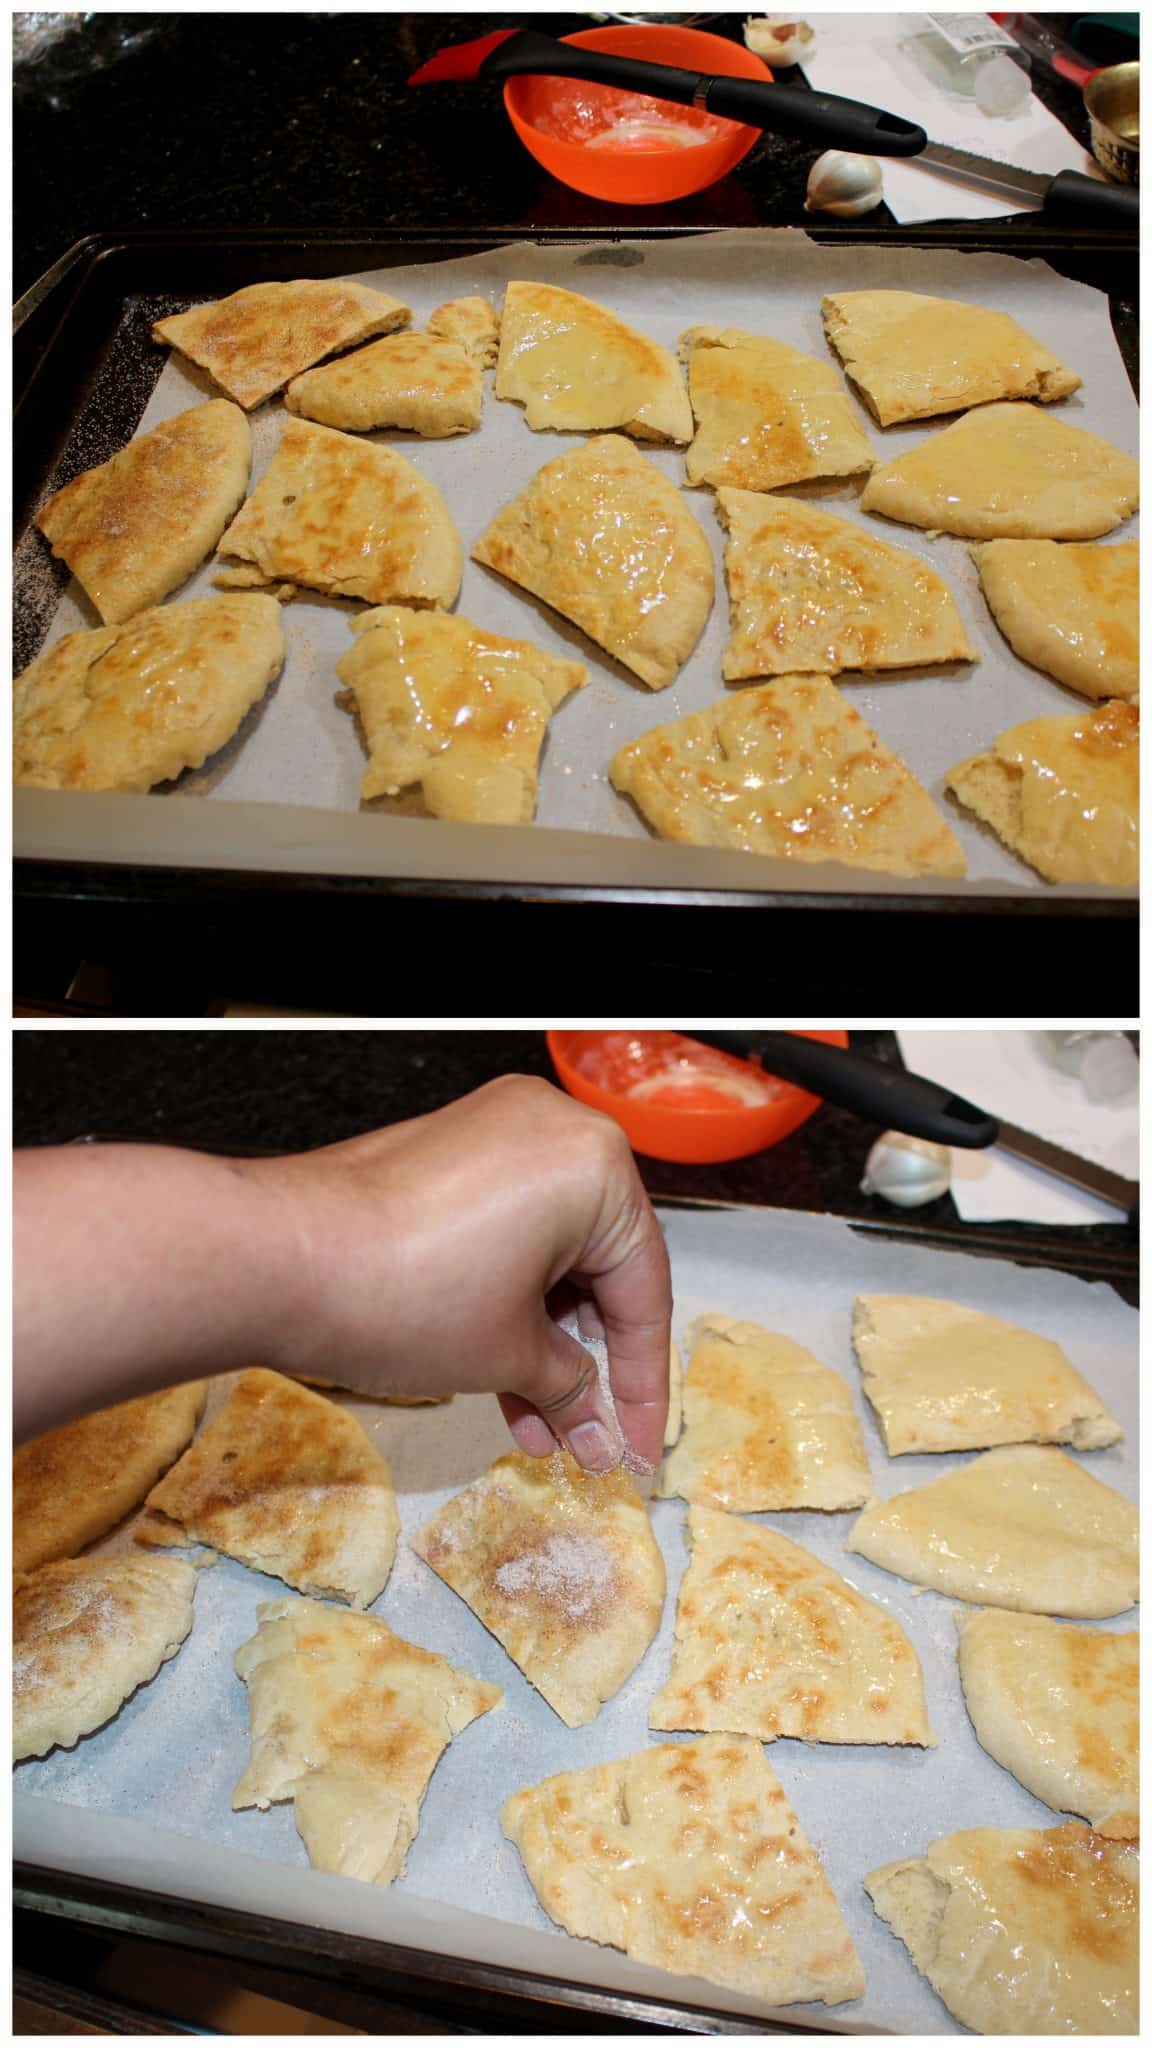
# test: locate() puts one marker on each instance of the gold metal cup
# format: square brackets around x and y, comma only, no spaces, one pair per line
[1112,98]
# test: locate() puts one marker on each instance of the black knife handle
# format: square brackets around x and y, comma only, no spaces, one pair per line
[821,118]
[1080,202]
[887,1095]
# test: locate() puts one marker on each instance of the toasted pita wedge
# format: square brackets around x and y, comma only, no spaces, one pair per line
[766,414]
[561,1566]
[77,1482]
[288,1483]
[811,592]
[1071,609]
[256,340]
[137,526]
[349,1721]
[575,366]
[126,707]
[1063,793]
[603,537]
[788,768]
[688,1856]
[85,1633]
[350,518]
[913,356]
[770,1641]
[1021,1930]
[766,1426]
[1023,1527]
[1059,1707]
[457,711]
[419,381]
[1008,471]
[946,1378]
[473,323]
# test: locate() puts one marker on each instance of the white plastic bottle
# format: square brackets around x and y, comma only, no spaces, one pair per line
[969,56]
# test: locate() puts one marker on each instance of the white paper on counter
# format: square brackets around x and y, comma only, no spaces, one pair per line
[862,57]
[1006,1073]
[165,1766]
[298,748]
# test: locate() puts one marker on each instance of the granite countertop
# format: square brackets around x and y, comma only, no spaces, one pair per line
[304,120]
[289,1090]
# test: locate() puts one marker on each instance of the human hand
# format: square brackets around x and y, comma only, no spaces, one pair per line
[424,1258]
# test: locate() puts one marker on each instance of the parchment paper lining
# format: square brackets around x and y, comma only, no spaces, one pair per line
[299,748]
[154,1785]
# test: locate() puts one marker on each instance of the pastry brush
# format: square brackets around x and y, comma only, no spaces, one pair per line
[817,117]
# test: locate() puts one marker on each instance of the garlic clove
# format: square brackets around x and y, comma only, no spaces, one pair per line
[840,182]
[907,1171]
[779,38]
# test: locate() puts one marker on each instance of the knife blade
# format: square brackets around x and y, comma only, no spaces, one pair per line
[1069,196]
[1070,1166]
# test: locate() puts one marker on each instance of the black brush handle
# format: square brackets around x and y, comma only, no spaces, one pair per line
[889,1096]
[1079,202]
[817,117]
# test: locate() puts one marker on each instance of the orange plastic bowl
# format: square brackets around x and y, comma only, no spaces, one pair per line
[694,1125]
[632,176]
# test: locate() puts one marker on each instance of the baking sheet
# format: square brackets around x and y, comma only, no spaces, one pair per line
[298,748]
[145,1800]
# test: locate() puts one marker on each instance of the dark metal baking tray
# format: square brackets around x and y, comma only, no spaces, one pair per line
[84,369]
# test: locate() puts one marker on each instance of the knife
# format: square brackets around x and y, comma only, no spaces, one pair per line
[907,1102]
[1069,197]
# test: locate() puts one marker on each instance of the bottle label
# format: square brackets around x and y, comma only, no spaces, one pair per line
[968,34]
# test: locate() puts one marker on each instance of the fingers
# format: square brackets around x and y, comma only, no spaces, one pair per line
[567,1402]
[633,1305]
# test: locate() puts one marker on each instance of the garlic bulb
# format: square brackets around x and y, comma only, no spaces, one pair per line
[779,38]
[907,1171]
[842,183]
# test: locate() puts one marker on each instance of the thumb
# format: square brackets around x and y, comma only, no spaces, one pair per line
[564,1397]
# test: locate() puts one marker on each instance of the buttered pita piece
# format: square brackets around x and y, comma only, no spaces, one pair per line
[1021,1930]
[766,414]
[913,356]
[311,1379]
[561,1566]
[75,1483]
[349,1721]
[771,1642]
[473,323]
[1059,1707]
[1008,471]
[457,711]
[809,591]
[688,1856]
[1063,793]
[946,1378]
[128,706]
[138,525]
[1070,608]
[765,1426]
[791,769]
[85,1633]
[573,365]
[603,537]
[1024,1527]
[288,1483]
[418,381]
[349,518]
[256,340]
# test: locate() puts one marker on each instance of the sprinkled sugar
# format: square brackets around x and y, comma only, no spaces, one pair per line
[575,1571]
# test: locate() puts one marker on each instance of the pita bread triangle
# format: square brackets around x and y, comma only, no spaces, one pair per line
[811,592]
[574,365]
[1022,1527]
[288,1483]
[75,1483]
[770,1641]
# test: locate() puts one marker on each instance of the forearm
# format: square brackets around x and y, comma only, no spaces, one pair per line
[137,1266]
